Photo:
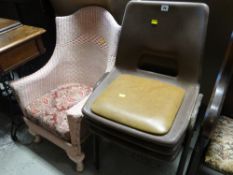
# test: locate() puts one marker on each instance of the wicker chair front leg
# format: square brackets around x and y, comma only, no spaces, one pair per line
[75,153]
[78,131]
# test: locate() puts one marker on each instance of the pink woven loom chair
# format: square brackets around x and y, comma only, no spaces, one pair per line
[51,98]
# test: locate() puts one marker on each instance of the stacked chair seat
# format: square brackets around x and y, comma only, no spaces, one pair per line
[151,97]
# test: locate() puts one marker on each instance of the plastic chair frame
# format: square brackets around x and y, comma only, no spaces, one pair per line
[213,110]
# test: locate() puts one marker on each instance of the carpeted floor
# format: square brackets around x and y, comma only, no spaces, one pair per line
[48,159]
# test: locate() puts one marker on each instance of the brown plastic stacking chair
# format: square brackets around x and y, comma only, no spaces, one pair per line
[213,150]
[52,98]
[159,42]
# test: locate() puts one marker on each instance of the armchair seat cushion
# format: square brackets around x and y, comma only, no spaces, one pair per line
[220,151]
[49,110]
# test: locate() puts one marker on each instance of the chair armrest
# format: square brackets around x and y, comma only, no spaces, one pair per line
[100,80]
[218,95]
[76,110]
[37,84]
[74,117]
[214,109]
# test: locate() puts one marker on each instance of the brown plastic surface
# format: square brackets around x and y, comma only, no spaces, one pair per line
[178,36]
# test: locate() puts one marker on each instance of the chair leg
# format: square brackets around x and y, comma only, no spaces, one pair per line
[96,151]
[184,155]
[37,137]
[197,156]
[13,132]
[183,161]
[79,163]
[75,154]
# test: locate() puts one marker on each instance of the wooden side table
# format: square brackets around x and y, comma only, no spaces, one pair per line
[18,44]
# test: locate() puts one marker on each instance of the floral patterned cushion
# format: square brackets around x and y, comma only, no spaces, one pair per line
[49,110]
[220,151]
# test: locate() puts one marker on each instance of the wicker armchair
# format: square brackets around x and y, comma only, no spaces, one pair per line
[51,98]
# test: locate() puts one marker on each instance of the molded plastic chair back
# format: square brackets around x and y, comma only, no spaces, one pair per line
[166,39]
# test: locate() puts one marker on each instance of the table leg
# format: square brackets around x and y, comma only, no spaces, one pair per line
[9,98]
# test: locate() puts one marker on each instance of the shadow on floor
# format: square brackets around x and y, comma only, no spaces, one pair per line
[48,159]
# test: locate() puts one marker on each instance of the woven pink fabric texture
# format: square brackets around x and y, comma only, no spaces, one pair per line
[85,49]
[49,110]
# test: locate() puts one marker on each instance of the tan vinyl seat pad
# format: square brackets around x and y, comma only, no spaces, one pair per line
[145,104]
